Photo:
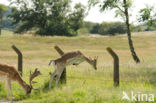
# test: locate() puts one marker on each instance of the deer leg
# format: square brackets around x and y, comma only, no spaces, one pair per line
[7,85]
[58,76]
[51,78]
[10,88]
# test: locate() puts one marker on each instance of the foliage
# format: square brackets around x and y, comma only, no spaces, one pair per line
[148,16]
[76,18]
[137,28]
[105,28]
[89,27]
[121,10]
[48,17]
[7,24]
[95,29]
[112,28]
[118,5]
[3,8]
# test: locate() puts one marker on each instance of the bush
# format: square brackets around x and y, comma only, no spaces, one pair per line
[112,28]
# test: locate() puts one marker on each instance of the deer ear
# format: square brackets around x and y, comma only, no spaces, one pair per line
[36,69]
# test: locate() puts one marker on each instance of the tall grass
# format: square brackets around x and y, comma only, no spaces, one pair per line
[84,84]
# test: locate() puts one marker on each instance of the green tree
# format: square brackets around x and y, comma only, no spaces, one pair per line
[148,16]
[48,17]
[121,7]
[3,8]
[76,18]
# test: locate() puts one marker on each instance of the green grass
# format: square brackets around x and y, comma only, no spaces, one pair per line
[84,84]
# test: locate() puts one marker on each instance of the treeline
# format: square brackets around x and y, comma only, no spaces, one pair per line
[57,18]
[111,28]
[105,28]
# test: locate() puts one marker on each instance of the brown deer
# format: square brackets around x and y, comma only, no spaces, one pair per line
[75,58]
[9,74]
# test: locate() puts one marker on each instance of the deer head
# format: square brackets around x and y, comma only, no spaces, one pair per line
[32,76]
[94,62]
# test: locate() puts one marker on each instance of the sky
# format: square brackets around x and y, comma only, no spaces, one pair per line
[95,16]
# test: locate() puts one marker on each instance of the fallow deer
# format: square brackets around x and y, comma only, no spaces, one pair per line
[9,74]
[75,58]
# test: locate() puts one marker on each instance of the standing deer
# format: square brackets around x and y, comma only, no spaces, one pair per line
[9,73]
[75,58]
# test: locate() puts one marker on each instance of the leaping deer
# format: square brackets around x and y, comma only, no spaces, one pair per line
[10,73]
[75,58]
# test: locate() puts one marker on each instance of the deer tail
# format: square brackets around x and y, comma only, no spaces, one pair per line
[51,61]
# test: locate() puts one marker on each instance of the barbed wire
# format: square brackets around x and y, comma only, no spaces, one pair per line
[108,80]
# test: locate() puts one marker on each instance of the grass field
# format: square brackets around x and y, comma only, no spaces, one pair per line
[84,84]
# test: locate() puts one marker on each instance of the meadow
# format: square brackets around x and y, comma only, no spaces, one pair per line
[84,84]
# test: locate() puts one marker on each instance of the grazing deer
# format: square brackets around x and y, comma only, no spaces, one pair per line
[9,73]
[75,58]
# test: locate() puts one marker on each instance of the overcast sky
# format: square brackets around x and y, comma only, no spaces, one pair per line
[96,16]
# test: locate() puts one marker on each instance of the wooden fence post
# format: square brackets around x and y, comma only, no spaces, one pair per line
[20,59]
[116,66]
[63,76]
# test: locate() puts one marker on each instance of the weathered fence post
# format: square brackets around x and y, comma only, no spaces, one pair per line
[20,58]
[63,76]
[116,66]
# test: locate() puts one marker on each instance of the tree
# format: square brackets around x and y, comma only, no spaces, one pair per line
[3,8]
[148,16]
[121,7]
[48,17]
[76,18]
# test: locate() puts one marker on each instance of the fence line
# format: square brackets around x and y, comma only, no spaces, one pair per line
[110,80]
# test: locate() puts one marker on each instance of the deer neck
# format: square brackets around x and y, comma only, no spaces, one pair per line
[24,85]
[89,61]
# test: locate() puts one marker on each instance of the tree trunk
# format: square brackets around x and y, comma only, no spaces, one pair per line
[134,55]
[0,22]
